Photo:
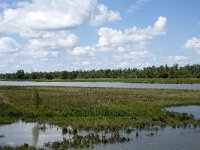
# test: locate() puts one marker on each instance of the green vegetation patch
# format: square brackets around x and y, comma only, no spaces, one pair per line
[96,108]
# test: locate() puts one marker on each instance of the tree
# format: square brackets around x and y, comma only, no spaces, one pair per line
[49,76]
[20,74]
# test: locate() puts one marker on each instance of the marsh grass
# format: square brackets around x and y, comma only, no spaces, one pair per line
[97,108]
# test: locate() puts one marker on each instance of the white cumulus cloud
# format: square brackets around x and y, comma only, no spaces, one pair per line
[8,45]
[126,47]
[83,50]
[194,44]
[113,37]
[53,41]
[47,25]
[49,44]
[129,47]
[103,14]
[55,15]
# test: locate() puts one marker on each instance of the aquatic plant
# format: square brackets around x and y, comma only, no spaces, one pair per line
[87,141]
[64,130]
[2,136]
[22,147]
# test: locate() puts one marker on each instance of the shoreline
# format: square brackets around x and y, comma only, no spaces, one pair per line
[123,80]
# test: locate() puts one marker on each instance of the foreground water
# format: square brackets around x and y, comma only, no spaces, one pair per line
[104,84]
[194,110]
[33,134]
[164,139]
[167,138]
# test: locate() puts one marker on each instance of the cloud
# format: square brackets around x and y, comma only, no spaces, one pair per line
[136,6]
[8,45]
[40,53]
[128,47]
[194,44]
[112,37]
[85,63]
[46,24]
[54,15]
[49,44]
[2,66]
[146,58]
[130,40]
[83,50]
[125,48]
[3,5]
[104,15]
[27,62]
[177,58]
[53,41]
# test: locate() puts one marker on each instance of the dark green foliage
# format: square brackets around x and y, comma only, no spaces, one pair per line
[20,74]
[188,71]
[87,141]
[64,130]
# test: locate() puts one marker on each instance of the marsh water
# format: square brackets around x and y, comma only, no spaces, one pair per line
[164,139]
[194,110]
[33,134]
[167,138]
[104,84]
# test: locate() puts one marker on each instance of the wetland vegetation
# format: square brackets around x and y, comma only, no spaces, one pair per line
[97,109]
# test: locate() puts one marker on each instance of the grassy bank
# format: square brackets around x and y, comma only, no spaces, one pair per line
[125,80]
[98,108]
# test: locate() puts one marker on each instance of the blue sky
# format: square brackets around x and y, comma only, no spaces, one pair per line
[54,35]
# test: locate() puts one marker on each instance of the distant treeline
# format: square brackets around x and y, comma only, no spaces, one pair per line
[188,71]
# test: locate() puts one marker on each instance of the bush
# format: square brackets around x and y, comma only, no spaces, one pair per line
[37,101]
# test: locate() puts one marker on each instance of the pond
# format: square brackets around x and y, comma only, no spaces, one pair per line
[34,134]
[38,134]
[194,110]
[104,84]
[166,139]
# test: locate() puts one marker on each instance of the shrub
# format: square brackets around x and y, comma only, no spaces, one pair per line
[37,101]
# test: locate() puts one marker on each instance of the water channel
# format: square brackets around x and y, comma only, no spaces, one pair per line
[105,84]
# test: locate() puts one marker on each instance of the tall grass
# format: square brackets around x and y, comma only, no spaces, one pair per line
[96,107]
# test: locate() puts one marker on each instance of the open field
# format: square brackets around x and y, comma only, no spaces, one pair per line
[97,108]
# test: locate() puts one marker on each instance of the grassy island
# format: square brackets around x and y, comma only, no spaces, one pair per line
[96,108]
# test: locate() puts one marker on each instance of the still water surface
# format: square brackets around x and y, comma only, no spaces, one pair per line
[167,138]
[104,84]
[20,132]
[164,139]
[192,109]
